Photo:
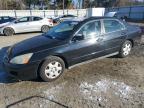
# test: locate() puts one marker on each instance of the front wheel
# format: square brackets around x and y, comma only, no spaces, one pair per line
[52,69]
[125,49]
[8,31]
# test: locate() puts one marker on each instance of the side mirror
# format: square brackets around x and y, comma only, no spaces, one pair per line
[78,37]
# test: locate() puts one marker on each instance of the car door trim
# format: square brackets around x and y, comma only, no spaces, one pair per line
[89,61]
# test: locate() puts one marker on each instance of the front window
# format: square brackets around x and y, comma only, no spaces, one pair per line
[25,19]
[91,30]
[62,30]
[37,18]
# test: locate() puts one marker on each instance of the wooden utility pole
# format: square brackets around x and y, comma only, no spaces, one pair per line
[63,6]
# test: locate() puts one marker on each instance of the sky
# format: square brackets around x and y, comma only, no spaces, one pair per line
[75,2]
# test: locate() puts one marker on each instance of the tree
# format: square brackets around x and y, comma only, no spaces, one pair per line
[11,4]
[47,2]
[86,3]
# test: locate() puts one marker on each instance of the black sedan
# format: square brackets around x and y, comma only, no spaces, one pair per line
[5,19]
[69,44]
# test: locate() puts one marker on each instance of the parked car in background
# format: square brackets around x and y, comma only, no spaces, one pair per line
[116,15]
[27,24]
[6,19]
[63,18]
[68,44]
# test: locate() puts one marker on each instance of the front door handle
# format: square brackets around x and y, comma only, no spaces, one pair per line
[99,39]
[123,33]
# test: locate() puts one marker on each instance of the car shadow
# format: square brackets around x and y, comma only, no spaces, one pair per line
[4,76]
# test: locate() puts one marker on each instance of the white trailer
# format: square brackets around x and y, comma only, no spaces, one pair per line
[95,12]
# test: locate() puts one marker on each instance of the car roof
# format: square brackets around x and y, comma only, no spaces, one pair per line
[97,18]
[76,19]
[85,19]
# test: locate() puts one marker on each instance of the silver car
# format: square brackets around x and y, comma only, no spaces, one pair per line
[26,24]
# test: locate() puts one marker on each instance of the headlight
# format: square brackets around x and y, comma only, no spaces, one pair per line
[22,59]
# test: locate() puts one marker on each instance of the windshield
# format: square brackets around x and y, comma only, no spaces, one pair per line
[63,30]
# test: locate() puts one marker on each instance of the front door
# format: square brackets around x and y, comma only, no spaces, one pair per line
[88,47]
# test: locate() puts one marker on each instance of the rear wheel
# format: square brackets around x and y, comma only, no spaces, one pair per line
[8,31]
[125,49]
[52,69]
[45,28]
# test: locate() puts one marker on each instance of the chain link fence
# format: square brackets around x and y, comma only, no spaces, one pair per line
[43,13]
[131,12]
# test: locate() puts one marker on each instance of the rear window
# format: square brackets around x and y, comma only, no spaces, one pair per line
[24,19]
[37,18]
[112,25]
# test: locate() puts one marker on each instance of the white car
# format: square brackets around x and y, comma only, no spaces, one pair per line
[26,24]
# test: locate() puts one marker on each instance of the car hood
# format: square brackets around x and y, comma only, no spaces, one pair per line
[35,44]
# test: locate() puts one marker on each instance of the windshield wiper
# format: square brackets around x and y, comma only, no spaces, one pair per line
[46,35]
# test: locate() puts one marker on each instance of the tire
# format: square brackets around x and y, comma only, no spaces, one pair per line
[8,31]
[45,28]
[52,69]
[125,49]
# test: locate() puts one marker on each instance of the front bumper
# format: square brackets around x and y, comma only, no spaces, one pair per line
[22,72]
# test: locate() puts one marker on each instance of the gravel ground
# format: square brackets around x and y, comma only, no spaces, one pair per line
[108,83]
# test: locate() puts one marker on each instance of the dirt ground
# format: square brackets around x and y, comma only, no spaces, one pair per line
[109,83]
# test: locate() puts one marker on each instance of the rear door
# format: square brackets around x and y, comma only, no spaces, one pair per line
[36,23]
[114,35]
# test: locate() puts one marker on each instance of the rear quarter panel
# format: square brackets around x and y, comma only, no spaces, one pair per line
[134,33]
